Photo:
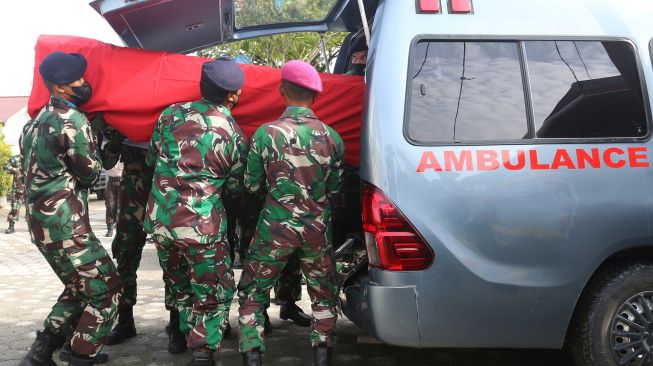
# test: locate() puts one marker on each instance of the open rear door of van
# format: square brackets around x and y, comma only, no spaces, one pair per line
[185,26]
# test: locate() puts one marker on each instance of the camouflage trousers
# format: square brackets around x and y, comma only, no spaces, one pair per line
[127,245]
[16,200]
[87,307]
[200,278]
[264,264]
[127,249]
[288,287]
[111,199]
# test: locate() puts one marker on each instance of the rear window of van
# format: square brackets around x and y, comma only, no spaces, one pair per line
[468,91]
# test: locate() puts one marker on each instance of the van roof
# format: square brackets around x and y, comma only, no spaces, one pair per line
[492,18]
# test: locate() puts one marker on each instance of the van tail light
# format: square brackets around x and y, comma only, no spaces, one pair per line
[392,242]
[428,6]
[461,6]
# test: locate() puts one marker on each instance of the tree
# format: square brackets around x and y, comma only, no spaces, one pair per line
[275,50]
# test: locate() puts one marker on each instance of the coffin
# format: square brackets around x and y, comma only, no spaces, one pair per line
[131,87]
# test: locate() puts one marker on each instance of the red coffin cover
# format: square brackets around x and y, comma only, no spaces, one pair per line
[131,87]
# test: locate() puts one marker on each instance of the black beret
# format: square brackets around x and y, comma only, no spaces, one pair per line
[223,73]
[62,68]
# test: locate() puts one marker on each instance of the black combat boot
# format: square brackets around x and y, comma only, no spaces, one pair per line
[41,352]
[67,350]
[109,231]
[290,310]
[176,338]
[79,360]
[267,327]
[10,229]
[252,358]
[202,357]
[322,355]
[125,328]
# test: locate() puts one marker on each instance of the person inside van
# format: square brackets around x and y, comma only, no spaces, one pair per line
[356,64]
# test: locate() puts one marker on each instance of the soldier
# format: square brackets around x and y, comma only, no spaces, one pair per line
[298,159]
[200,154]
[127,246]
[61,162]
[16,193]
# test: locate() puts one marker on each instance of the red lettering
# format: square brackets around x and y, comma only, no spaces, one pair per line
[638,153]
[562,158]
[534,163]
[521,160]
[464,162]
[582,157]
[428,161]
[487,160]
[607,157]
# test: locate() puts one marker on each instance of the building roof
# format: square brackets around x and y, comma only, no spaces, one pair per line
[11,105]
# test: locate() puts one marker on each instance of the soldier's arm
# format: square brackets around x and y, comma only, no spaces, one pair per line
[238,153]
[255,172]
[334,178]
[155,140]
[81,155]
[21,140]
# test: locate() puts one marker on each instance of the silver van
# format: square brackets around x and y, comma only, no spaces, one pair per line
[505,173]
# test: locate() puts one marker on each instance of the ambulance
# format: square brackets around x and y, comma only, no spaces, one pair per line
[505,173]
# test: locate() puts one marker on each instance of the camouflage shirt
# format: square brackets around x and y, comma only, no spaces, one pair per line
[299,160]
[200,155]
[60,161]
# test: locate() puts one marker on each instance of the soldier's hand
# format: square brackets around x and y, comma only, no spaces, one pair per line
[113,137]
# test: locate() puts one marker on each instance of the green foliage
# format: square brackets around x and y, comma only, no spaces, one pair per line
[277,49]
[251,13]
[5,154]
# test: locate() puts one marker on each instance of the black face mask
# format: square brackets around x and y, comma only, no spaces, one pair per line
[82,94]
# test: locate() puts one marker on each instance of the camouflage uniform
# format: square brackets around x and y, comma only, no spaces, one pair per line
[60,162]
[245,212]
[299,159]
[15,196]
[135,186]
[200,156]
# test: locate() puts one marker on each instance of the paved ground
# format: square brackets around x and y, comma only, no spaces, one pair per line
[28,288]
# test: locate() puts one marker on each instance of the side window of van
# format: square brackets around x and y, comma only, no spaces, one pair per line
[470,91]
[467,91]
[585,89]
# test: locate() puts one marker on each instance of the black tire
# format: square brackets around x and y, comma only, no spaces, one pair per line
[614,324]
[100,195]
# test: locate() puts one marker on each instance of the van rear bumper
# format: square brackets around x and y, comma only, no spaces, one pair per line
[388,313]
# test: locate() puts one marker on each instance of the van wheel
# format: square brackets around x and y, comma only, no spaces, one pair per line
[100,195]
[614,327]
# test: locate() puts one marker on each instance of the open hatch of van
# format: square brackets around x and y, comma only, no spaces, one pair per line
[185,26]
